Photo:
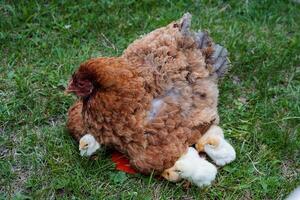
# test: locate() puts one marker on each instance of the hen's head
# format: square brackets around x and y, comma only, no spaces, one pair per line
[81,84]
[98,73]
[83,81]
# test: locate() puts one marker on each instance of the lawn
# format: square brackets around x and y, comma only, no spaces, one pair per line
[42,43]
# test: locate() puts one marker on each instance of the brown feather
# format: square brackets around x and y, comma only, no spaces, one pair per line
[151,103]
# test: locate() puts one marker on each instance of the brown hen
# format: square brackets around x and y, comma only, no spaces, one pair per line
[154,101]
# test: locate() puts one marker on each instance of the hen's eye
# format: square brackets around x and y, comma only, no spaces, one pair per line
[85,145]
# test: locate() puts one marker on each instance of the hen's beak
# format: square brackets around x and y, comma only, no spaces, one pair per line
[69,88]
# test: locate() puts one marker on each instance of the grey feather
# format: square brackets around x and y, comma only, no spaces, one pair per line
[220,60]
[202,39]
[185,23]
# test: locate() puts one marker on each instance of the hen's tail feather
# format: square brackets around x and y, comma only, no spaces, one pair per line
[202,40]
[216,55]
[185,23]
[220,60]
[219,55]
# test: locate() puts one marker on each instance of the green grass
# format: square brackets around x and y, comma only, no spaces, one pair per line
[42,43]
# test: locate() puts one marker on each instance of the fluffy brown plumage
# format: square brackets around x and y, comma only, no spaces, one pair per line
[155,100]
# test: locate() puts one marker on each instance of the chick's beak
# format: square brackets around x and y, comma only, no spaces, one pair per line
[82,145]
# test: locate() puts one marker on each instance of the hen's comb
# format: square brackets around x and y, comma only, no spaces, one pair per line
[122,163]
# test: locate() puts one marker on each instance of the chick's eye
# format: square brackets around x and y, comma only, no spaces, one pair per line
[86,145]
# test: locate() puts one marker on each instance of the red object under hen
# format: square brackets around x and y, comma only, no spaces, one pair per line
[122,163]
